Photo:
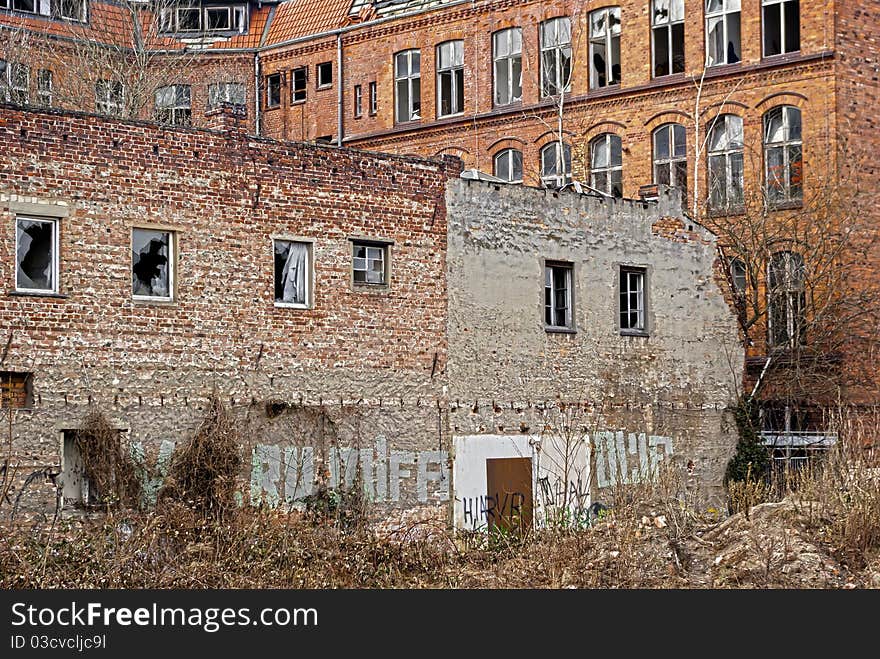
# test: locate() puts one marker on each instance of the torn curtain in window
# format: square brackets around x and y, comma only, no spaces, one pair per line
[291,261]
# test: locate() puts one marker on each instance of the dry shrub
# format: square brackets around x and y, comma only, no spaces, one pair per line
[107,465]
[203,471]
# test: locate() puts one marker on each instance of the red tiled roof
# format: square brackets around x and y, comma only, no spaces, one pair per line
[300,18]
[107,24]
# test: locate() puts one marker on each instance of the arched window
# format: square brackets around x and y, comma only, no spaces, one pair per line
[604,47]
[781,24]
[783,158]
[606,164]
[555,165]
[786,299]
[670,156]
[509,165]
[555,56]
[726,162]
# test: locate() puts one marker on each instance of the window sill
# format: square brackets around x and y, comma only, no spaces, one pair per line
[161,301]
[59,296]
[291,305]
[322,88]
[269,108]
[450,116]
[292,103]
[637,333]
[508,106]
[550,329]
[727,212]
[787,204]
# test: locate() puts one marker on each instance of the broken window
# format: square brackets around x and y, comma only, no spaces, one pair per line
[298,84]
[16,390]
[555,165]
[36,255]
[781,23]
[152,265]
[14,79]
[192,18]
[632,299]
[738,276]
[787,299]
[793,435]
[606,164]
[555,56]
[75,486]
[604,47]
[407,86]
[670,156]
[226,92]
[509,165]
[273,90]
[450,78]
[174,105]
[558,296]
[292,273]
[667,19]
[109,97]
[723,32]
[725,154]
[370,263]
[358,101]
[44,87]
[325,74]
[374,98]
[507,57]
[783,157]
[72,10]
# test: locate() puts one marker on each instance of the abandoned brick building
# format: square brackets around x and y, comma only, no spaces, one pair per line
[760,112]
[359,312]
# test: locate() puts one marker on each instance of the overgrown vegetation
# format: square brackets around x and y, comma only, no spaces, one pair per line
[751,461]
[107,465]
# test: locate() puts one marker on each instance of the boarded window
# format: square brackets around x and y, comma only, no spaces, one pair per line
[509,501]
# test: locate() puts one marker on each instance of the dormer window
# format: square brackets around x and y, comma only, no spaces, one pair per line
[192,18]
[66,10]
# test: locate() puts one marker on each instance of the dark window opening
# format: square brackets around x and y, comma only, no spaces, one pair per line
[558,296]
[273,90]
[151,264]
[632,299]
[16,390]
[298,84]
[325,74]
[36,255]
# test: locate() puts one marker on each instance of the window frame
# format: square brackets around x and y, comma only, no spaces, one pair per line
[561,178]
[725,13]
[507,61]
[180,110]
[269,86]
[55,9]
[672,160]
[456,77]
[795,310]
[374,98]
[320,82]
[550,268]
[409,77]
[45,91]
[171,266]
[15,81]
[510,154]
[727,153]
[783,49]
[610,40]
[219,93]
[55,260]
[643,313]
[358,102]
[559,51]
[385,246]
[108,101]
[310,272]
[607,139]
[299,84]
[668,28]
[169,18]
[786,144]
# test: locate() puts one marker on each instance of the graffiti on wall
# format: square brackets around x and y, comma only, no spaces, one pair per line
[628,458]
[287,474]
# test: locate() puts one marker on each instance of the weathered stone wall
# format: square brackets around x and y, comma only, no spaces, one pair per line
[507,373]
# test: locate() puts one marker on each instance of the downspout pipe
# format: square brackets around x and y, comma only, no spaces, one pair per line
[257,93]
[340,122]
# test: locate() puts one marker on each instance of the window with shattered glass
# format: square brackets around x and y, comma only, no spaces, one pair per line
[370,264]
[726,163]
[555,56]
[36,255]
[605,47]
[667,20]
[292,273]
[783,155]
[152,265]
[723,34]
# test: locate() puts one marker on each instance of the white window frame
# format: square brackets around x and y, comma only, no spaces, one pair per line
[605,141]
[609,38]
[507,62]
[15,79]
[109,104]
[739,276]
[358,102]
[319,75]
[171,265]
[725,12]
[671,162]
[407,77]
[786,144]
[222,92]
[303,90]
[310,272]
[563,165]
[509,155]
[557,49]
[56,261]
[180,107]
[784,7]
[550,281]
[374,98]
[662,29]
[280,77]
[53,9]
[170,19]
[454,69]
[44,92]
[792,292]
[728,153]
[385,248]
[627,273]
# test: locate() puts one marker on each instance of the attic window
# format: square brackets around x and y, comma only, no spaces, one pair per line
[16,390]
[198,19]
[70,10]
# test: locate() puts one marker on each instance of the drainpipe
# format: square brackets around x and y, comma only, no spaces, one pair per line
[257,93]
[340,126]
